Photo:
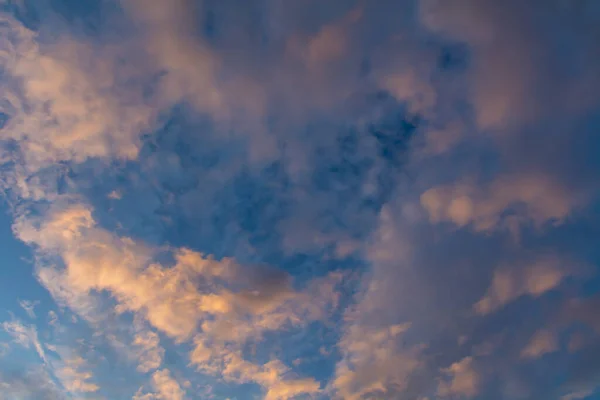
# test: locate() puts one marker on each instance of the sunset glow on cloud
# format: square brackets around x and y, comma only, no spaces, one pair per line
[300,199]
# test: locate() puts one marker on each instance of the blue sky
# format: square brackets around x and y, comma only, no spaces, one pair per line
[299,200]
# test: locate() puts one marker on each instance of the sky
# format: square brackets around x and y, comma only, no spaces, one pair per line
[299,199]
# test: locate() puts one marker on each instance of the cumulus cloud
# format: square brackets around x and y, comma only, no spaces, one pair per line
[69,102]
[463,380]
[148,350]
[373,363]
[541,343]
[190,65]
[222,303]
[166,386]
[270,376]
[511,42]
[74,377]
[507,199]
[508,284]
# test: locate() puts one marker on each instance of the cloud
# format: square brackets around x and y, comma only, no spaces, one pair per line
[74,378]
[229,304]
[218,348]
[166,386]
[523,198]
[510,283]
[69,369]
[541,343]
[148,350]
[29,306]
[270,376]
[373,363]
[26,336]
[192,177]
[34,384]
[578,395]
[512,42]
[190,65]
[70,103]
[464,380]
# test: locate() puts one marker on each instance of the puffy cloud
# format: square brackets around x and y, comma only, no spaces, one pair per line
[71,102]
[521,48]
[510,283]
[464,380]
[541,343]
[166,386]
[270,376]
[218,348]
[74,377]
[373,362]
[501,138]
[222,303]
[526,198]
[148,350]
[190,65]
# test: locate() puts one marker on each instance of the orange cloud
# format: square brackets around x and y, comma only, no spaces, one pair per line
[534,279]
[218,302]
[542,342]
[534,198]
[464,380]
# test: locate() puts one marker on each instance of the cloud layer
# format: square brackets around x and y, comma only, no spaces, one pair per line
[343,200]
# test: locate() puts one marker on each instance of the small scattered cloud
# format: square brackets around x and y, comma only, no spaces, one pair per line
[166,386]
[508,283]
[463,380]
[74,377]
[29,306]
[373,362]
[26,336]
[148,350]
[526,198]
[541,343]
